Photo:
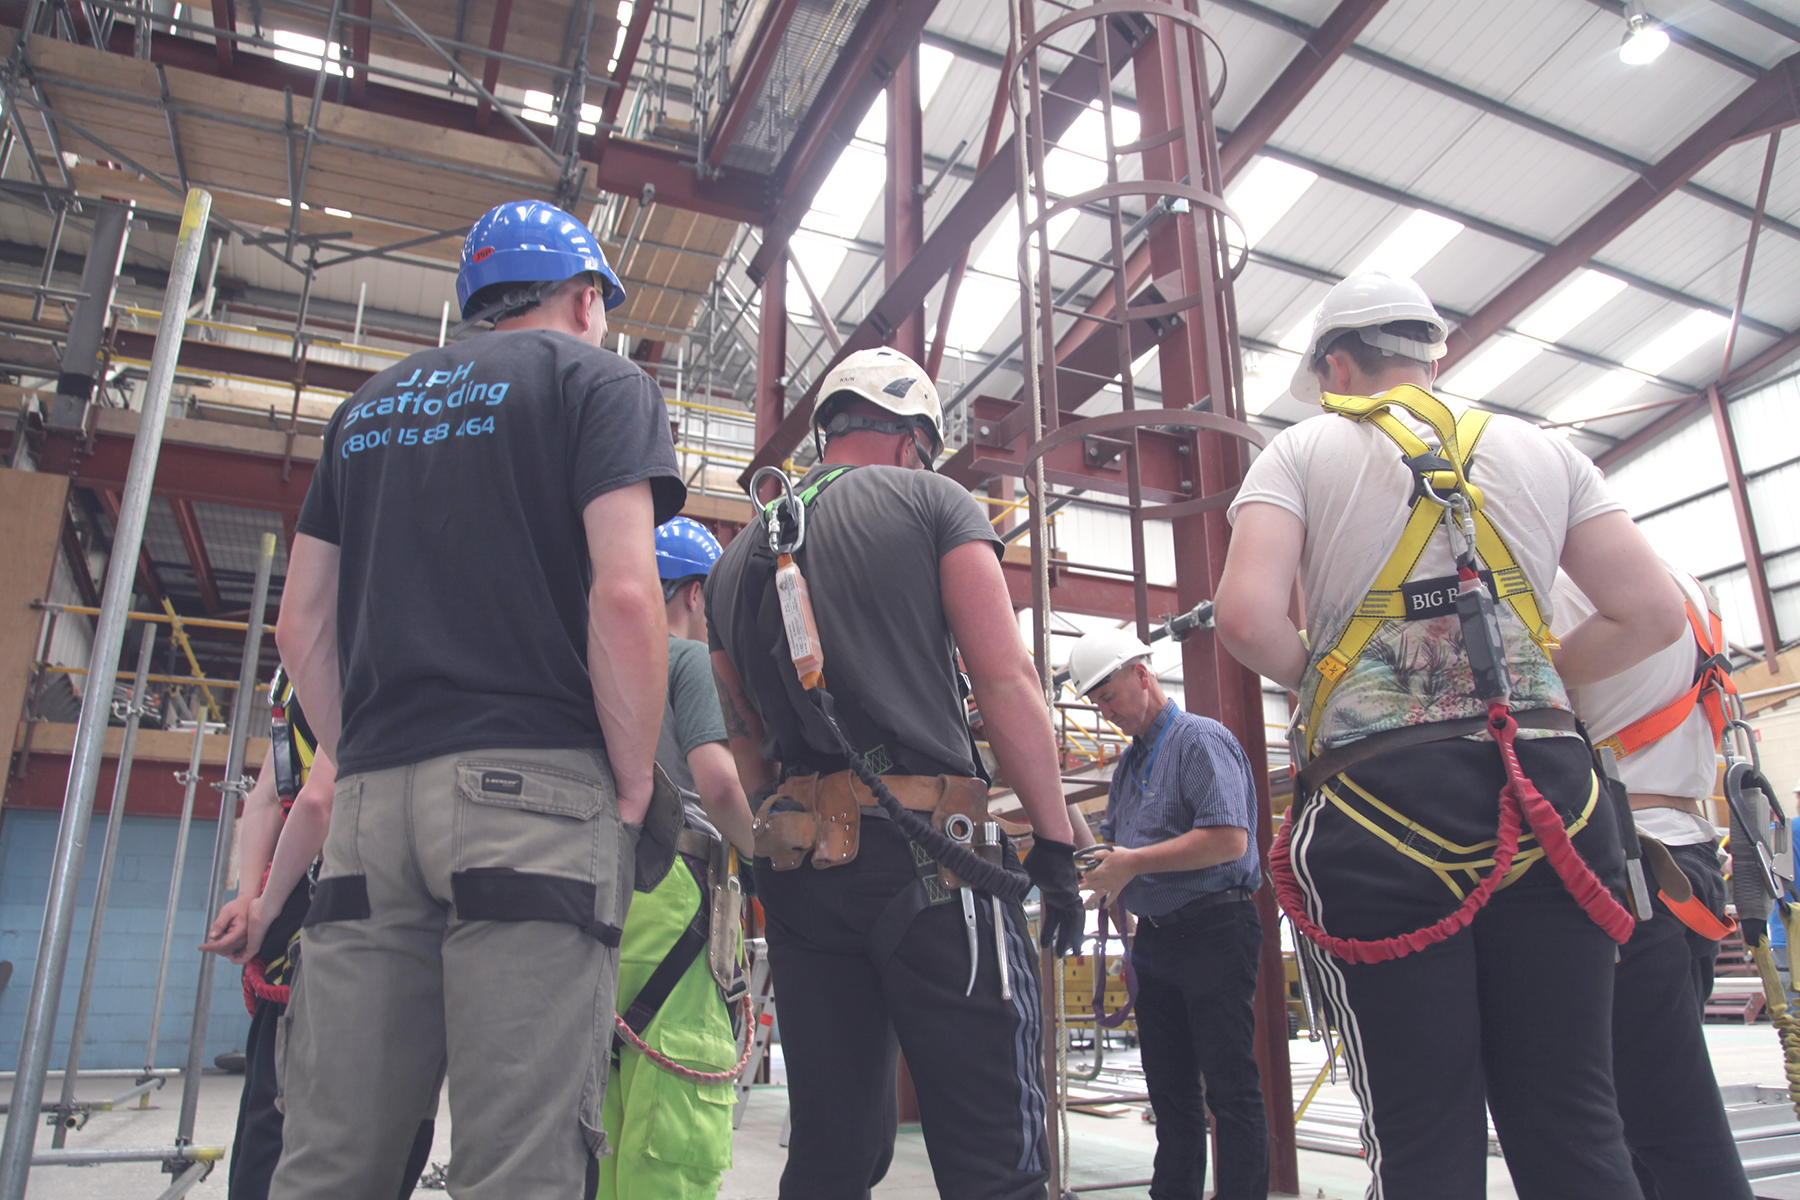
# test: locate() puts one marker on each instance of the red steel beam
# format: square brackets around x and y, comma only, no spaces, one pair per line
[154,790]
[1772,102]
[746,89]
[769,403]
[224,14]
[888,31]
[194,542]
[1324,48]
[234,360]
[78,564]
[146,567]
[490,74]
[183,472]
[628,53]
[1746,521]
[991,190]
[360,34]
[902,205]
[1088,594]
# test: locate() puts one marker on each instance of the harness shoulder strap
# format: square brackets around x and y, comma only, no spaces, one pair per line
[1712,681]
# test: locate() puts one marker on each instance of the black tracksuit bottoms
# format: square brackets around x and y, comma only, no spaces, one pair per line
[1514,1013]
[846,1000]
[1675,1123]
[1196,1026]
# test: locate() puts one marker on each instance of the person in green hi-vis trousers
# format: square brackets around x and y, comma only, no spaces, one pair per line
[671,1136]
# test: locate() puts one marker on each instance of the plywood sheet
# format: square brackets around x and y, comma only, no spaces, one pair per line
[29,538]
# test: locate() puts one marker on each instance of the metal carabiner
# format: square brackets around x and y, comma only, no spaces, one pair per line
[783,510]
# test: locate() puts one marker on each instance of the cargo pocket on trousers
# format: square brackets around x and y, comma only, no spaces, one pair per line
[342,892]
[690,1123]
[284,1037]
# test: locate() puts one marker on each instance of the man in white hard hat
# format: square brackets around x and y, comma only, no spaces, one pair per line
[1184,861]
[1425,545]
[865,939]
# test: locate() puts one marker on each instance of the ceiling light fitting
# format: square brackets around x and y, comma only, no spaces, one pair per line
[1645,39]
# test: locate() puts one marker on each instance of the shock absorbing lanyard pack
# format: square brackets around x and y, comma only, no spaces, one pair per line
[785,519]
[1444,494]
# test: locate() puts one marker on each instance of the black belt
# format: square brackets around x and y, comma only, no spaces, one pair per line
[1194,908]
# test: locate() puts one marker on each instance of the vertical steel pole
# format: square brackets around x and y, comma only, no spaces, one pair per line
[192,782]
[109,854]
[231,791]
[96,705]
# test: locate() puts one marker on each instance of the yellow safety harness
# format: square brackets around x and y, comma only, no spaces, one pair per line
[1444,471]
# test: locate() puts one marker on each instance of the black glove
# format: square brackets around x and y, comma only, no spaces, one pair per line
[1063,924]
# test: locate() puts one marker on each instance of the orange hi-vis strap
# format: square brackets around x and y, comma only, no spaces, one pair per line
[1712,682]
[1697,917]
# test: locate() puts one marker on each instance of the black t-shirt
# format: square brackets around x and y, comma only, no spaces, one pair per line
[453,484]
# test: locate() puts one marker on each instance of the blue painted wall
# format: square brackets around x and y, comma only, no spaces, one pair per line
[125,981]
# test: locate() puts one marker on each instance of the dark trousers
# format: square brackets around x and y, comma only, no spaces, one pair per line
[1680,1139]
[845,1000]
[1512,1015]
[1196,1021]
[257,1147]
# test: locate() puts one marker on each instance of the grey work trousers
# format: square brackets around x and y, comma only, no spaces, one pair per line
[466,925]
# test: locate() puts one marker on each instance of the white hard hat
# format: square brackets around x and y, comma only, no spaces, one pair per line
[890,380]
[1098,655]
[1367,302]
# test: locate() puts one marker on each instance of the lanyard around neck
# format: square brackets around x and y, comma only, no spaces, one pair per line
[1144,775]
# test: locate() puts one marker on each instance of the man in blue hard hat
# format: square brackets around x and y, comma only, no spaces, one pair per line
[669,1102]
[473,621]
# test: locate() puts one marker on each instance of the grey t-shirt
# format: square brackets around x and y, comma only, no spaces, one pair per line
[691,715]
[874,538]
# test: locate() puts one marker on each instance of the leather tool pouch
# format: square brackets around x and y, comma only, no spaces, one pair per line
[727,898]
[655,852]
[960,797]
[1669,876]
[837,805]
[784,831]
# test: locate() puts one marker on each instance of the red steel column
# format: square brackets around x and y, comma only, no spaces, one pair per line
[903,206]
[1193,364]
[1746,523]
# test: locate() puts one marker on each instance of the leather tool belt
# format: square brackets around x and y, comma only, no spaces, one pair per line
[1334,762]
[822,814]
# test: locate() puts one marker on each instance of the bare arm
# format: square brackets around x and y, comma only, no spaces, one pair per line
[743,727]
[306,633]
[256,841]
[302,837]
[1257,595]
[721,794]
[1205,847]
[628,638]
[1006,684]
[1638,607]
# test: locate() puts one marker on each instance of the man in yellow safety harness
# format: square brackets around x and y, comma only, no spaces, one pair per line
[1661,720]
[1440,761]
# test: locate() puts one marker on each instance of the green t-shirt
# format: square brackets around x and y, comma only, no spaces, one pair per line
[691,716]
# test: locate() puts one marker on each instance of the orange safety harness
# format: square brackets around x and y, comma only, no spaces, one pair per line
[1712,683]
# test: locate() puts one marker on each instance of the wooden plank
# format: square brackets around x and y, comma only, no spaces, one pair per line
[29,539]
[156,745]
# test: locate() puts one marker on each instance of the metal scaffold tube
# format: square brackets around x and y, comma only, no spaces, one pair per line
[115,823]
[190,779]
[96,706]
[230,792]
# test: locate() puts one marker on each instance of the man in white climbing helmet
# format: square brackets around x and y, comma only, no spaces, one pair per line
[1424,545]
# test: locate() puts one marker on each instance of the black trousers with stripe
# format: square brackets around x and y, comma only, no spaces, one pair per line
[845,1003]
[1512,1015]
[1680,1139]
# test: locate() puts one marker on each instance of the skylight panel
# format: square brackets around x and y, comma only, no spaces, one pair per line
[1570,305]
[1078,163]
[1600,396]
[1688,335]
[1264,194]
[1497,362]
[849,192]
[933,63]
[820,258]
[1415,243]
[302,51]
[981,305]
[540,107]
[1266,379]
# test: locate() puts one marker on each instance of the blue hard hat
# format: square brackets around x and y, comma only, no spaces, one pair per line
[684,548]
[530,241]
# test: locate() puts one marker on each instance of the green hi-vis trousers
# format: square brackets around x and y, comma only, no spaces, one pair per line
[671,1137]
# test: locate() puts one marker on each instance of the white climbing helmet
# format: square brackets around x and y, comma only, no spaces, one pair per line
[1366,302]
[1099,654]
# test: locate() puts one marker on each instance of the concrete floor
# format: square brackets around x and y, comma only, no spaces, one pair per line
[1104,1149]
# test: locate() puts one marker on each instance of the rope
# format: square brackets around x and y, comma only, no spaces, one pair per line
[688,1073]
[257,986]
[1787,1025]
[1127,974]
[1520,801]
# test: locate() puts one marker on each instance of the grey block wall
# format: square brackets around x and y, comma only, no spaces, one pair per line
[119,1018]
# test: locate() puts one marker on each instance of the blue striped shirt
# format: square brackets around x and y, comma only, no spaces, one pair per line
[1185,772]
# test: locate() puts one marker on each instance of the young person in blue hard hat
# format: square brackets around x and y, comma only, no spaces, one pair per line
[669,1102]
[473,620]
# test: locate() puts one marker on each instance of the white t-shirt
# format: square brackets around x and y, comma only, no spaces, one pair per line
[1346,481]
[1685,762]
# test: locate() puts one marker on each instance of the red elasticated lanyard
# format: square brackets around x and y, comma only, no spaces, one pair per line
[1520,802]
